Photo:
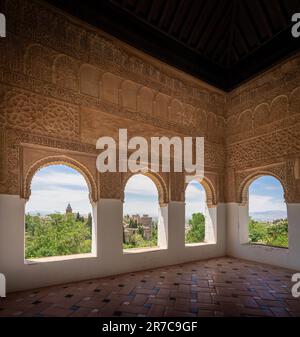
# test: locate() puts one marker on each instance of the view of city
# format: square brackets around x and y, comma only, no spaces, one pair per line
[54,228]
[139,231]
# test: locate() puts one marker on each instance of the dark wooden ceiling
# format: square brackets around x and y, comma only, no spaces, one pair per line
[223,42]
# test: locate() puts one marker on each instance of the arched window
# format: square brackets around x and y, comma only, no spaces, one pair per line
[141,213]
[58,218]
[268,223]
[199,220]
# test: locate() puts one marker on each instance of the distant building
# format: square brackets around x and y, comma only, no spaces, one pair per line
[128,232]
[135,218]
[69,209]
[145,221]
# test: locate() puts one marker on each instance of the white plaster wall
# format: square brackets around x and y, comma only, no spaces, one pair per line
[210,224]
[162,228]
[237,238]
[110,258]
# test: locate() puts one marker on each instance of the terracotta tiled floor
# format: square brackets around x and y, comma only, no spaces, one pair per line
[216,287]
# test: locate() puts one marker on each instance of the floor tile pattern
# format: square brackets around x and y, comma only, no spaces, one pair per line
[215,287]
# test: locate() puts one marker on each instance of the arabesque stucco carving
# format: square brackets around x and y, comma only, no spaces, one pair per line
[61,81]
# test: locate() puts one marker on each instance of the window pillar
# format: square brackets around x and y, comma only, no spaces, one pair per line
[293,212]
[243,223]
[210,224]
[162,227]
[176,220]
[109,229]
[12,210]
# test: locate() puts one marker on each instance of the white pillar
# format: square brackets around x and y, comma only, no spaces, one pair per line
[293,211]
[232,224]
[220,231]
[176,219]
[94,229]
[243,223]
[162,228]
[237,222]
[110,229]
[12,233]
[2,285]
[210,224]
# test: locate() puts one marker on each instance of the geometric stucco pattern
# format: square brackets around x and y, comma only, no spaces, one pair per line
[54,68]
[263,130]
[262,149]
[38,114]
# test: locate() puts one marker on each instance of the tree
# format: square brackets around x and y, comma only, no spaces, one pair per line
[196,232]
[89,222]
[277,233]
[271,234]
[140,230]
[154,235]
[136,240]
[133,223]
[124,241]
[257,231]
[56,235]
[30,222]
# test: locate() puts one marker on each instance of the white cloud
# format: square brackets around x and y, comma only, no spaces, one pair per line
[141,197]
[193,207]
[59,179]
[272,188]
[194,199]
[49,200]
[141,207]
[52,191]
[262,203]
[195,191]
[141,185]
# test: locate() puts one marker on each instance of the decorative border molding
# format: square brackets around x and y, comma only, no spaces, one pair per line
[58,160]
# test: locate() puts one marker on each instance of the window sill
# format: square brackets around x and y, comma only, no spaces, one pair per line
[199,244]
[130,251]
[58,258]
[262,246]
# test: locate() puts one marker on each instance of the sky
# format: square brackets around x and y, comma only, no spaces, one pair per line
[266,194]
[55,186]
[141,196]
[194,199]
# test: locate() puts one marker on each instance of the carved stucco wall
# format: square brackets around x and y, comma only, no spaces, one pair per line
[63,84]
[263,131]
